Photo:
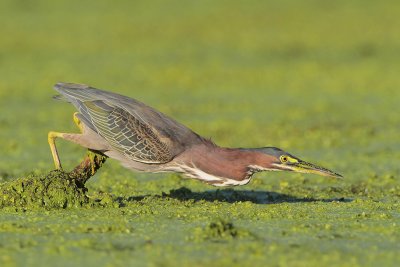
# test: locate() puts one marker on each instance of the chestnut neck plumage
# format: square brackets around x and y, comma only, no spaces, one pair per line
[223,166]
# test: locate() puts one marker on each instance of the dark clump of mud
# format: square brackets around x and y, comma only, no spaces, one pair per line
[52,190]
[221,230]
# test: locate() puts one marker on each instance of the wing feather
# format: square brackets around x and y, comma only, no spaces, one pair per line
[126,134]
[138,131]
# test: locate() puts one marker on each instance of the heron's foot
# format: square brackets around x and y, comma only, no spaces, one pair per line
[92,159]
[51,137]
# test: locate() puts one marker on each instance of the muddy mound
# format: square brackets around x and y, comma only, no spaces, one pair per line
[55,189]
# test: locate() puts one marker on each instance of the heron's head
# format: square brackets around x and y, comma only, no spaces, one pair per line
[279,160]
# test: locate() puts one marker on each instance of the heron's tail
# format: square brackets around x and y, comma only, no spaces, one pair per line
[60,98]
[63,88]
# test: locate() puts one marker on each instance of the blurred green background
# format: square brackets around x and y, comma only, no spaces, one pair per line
[319,79]
[312,76]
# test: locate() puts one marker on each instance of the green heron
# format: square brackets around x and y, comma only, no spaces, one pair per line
[144,139]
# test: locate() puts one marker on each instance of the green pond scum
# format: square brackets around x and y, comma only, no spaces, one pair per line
[318,79]
[56,189]
[220,230]
[51,191]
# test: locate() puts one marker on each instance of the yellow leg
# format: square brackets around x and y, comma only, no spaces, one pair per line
[91,155]
[78,122]
[51,138]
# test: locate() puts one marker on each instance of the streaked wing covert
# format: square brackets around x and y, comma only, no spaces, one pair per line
[127,134]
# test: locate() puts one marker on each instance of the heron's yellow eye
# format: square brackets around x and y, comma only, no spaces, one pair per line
[284,159]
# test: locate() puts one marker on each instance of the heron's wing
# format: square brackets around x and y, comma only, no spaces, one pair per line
[126,134]
[131,127]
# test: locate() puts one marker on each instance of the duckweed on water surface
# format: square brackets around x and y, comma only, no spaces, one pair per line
[318,79]
[220,230]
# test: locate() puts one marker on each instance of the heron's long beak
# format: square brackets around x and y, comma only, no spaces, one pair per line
[305,167]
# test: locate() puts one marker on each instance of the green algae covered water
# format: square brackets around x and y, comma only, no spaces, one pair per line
[319,80]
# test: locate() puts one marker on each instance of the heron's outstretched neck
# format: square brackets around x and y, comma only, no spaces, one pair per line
[221,166]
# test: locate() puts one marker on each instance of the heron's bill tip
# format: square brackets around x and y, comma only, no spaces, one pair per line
[306,167]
